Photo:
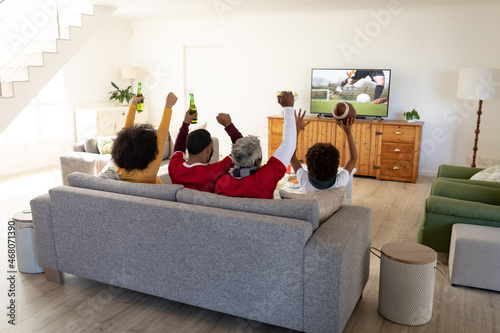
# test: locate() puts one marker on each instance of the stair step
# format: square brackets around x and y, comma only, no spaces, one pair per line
[10,74]
[6,90]
[23,59]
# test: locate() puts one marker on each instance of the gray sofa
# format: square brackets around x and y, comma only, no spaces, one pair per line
[86,158]
[265,260]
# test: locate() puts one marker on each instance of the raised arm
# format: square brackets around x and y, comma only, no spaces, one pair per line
[225,120]
[300,125]
[131,111]
[353,152]
[288,144]
[180,141]
[162,132]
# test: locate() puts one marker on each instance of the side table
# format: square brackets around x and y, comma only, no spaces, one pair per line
[407,276]
[25,243]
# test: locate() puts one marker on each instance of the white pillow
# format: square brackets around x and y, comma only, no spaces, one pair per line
[329,201]
[492,174]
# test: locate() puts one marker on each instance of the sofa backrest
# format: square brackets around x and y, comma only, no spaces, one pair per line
[307,210]
[155,191]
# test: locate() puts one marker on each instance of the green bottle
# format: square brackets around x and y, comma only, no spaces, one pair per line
[140,104]
[192,108]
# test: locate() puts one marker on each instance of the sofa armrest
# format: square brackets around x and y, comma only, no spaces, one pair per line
[441,213]
[88,163]
[44,232]
[455,171]
[336,269]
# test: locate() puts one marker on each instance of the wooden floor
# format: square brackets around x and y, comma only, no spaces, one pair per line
[81,305]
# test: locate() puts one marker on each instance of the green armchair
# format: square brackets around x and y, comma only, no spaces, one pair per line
[456,199]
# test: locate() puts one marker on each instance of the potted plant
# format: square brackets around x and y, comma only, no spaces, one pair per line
[121,94]
[411,115]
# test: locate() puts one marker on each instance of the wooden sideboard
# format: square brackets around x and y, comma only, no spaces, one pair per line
[387,149]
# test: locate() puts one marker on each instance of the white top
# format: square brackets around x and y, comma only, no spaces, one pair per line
[303,178]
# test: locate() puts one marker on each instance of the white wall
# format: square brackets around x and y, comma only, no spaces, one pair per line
[87,79]
[425,48]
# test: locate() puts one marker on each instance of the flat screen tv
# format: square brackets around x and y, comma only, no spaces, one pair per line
[366,89]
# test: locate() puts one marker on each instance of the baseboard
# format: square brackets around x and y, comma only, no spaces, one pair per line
[31,169]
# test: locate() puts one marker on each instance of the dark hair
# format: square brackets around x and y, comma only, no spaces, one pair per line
[135,147]
[322,160]
[198,140]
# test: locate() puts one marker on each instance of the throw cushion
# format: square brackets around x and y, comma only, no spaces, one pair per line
[329,201]
[305,210]
[492,174]
[91,146]
[105,144]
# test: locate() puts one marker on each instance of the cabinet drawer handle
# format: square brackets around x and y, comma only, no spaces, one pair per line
[397,150]
[396,168]
[399,132]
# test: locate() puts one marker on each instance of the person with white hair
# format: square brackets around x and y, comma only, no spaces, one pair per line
[248,178]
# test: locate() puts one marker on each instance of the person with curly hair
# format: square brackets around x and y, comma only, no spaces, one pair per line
[138,149]
[322,160]
[195,172]
[248,178]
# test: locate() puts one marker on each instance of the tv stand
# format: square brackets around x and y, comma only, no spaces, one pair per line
[388,149]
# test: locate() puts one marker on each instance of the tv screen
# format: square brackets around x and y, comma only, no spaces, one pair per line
[366,89]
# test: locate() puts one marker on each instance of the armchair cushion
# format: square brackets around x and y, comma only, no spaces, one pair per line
[464,191]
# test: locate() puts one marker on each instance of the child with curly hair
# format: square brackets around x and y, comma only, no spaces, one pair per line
[138,149]
[322,160]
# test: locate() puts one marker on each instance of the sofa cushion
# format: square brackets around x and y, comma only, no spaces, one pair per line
[491,174]
[91,146]
[166,151]
[304,210]
[155,191]
[329,201]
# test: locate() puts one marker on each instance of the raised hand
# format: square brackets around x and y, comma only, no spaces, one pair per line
[171,100]
[136,100]
[224,119]
[286,99]
[299,120]
[188,117]
[347,126]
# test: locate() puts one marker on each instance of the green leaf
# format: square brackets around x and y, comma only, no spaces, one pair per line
[114,85]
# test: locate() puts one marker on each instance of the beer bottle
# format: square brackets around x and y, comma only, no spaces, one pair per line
[140,104]
[192,108]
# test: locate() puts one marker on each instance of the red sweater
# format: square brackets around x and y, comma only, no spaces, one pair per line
[259,185]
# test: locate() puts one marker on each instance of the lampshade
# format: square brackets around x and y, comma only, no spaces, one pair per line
[479,84]
[131,72]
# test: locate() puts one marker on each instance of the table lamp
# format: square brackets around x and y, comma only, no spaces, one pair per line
[478,84]
[131,73]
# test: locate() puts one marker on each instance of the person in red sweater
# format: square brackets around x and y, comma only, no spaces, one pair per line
[248,178]
[195,172]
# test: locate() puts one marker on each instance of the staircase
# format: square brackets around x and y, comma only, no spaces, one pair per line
[37,38]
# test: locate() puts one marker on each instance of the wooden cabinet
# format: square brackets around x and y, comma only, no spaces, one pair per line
[387,149]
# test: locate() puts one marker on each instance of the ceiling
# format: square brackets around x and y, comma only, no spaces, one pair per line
[206,8]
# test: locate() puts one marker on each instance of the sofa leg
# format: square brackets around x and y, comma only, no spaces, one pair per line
[54,276]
